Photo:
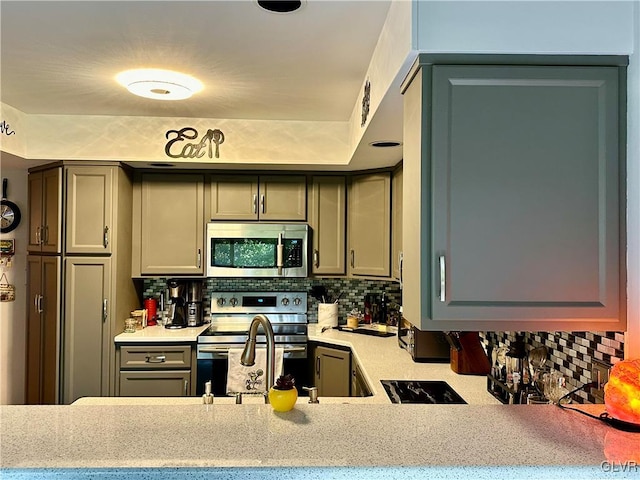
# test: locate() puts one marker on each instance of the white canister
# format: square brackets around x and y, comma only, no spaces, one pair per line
[328,314]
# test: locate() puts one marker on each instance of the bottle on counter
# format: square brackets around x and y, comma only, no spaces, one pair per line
[516,367]
[384,307]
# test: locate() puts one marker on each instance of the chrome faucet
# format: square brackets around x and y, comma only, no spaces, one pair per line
[249,354]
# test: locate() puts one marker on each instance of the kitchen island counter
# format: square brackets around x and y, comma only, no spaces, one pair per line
[408,441]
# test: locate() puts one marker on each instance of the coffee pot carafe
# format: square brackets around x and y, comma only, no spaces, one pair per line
[177,306]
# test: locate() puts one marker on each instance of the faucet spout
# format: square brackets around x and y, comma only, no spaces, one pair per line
[249,354]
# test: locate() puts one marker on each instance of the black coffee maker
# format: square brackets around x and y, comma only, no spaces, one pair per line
[177,305]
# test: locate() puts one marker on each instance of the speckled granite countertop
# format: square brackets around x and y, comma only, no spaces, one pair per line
[331,435]
[158,334]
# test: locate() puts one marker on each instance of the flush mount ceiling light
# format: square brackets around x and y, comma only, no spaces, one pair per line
[159,84]
[280,6]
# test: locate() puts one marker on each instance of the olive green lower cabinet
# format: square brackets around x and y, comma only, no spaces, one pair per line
[158,370]
[331,371]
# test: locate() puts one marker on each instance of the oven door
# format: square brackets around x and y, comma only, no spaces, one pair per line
[212,365]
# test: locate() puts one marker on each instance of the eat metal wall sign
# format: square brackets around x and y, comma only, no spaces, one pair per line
[195,149]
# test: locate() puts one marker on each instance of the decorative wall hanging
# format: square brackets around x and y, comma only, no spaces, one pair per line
[7,251]
[193,149]
[7,291]
[366,99]
[6,129]
[9,212]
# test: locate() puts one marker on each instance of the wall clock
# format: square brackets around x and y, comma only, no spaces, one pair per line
[9,211]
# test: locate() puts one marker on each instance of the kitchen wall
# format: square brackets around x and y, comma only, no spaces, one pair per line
[353,290]
[13,314]
[572,353]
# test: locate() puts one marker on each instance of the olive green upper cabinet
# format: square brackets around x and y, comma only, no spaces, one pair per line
[327,212]
[89,213]
[263,197]
[369,224]
[168,224]
[512,215]
[45,210]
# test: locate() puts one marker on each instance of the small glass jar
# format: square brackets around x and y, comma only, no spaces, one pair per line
[130,325]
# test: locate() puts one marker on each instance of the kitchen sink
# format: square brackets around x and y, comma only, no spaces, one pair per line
[421,391]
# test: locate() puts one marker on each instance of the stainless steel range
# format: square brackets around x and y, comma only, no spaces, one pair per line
[231,315]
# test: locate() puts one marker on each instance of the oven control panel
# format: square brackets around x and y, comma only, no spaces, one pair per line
[259,302]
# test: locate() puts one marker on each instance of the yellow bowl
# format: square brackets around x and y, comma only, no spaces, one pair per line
[282,400]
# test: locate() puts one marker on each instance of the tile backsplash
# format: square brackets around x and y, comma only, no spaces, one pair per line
[353,290]
[571,353]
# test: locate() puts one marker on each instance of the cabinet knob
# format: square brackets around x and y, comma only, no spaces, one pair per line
[220,302]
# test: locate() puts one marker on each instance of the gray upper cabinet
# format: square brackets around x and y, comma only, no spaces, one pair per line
[168,225]
[512,213]
[89,213]
[327,212]
[263,197]
[45,211]
[369,224]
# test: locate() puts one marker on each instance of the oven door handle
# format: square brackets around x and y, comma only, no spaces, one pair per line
[225,350]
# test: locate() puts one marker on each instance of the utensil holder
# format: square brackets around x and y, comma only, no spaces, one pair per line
[328,314]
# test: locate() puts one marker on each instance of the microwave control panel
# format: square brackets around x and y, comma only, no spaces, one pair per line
[293,253]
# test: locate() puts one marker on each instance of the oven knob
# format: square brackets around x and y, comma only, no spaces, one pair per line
[220,301]
[233,301]
[285,301]
[297,301]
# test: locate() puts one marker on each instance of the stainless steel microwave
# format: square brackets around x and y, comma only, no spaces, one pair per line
[257,249]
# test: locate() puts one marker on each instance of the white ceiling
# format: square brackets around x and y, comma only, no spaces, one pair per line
[61,57]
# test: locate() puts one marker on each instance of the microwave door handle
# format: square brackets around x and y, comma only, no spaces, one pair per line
[280,254]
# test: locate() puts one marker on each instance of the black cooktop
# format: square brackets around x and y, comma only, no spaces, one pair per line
[421,391]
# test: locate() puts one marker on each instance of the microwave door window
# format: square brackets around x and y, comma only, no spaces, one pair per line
[243,252]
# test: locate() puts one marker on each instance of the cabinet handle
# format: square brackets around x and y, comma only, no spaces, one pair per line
[38,242]
[316,258]
[104,310]
[46,234]
[255,203]
[353,258]
[105,239]
[443,278]
[186,388]
[262,203]
[318,366]
[400,265]
[155,359]
[37,302]
[199,258]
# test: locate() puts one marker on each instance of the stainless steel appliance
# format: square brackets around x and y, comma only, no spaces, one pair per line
[231,316]
[422,345]
[194,303]
[257,249]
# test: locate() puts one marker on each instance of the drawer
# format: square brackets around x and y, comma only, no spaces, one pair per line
[155,357]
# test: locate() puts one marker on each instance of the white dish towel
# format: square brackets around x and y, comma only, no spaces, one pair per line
[251,379]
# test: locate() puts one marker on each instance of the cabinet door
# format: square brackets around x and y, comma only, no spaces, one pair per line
[369,224]
[43,330]
[45,207]
[89,213]
[52,197]
[526,212]
[172,224]
[332,372]
[166,383]
[86,331]
[327,208]
[283,198]
[35,212]
[234,197]
[396,225]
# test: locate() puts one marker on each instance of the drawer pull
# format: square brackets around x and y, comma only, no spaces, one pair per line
[155,359]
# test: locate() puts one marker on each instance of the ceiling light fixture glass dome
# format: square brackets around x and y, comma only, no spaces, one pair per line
[159,84]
